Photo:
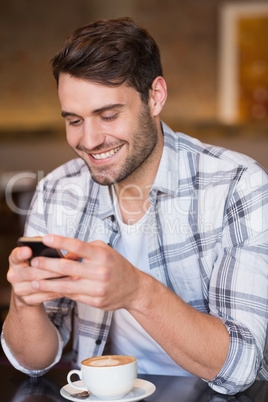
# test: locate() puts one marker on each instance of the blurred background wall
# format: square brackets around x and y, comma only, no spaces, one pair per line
[189,36]
[198,62]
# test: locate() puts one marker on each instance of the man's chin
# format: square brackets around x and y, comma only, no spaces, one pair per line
[102,178]
[103,182]
[107,178]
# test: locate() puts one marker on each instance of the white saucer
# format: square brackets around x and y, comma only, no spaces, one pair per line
[141,390]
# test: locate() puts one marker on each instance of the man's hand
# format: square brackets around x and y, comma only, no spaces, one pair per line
[27,325]
[103,279]
[21,275]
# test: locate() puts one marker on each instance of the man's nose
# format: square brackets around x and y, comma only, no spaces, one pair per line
[92,136]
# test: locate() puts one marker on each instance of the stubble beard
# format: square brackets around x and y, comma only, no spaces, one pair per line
[144,142]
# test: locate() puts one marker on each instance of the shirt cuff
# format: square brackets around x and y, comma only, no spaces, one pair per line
[239,370]
[32,373]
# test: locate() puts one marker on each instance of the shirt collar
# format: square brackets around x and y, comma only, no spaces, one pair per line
[106,207]
[167,177]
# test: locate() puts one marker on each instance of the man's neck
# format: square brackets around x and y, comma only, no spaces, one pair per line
[133,202]
[133,192]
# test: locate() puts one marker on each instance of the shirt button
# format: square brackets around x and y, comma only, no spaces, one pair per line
[98,342]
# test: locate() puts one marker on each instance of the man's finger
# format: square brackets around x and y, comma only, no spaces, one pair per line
[77,248]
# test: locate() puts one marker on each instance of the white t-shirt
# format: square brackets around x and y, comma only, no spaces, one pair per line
[127,335]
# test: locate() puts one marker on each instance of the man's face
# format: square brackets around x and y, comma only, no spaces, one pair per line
[110,128]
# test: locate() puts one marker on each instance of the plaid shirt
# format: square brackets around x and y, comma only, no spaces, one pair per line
[207,242]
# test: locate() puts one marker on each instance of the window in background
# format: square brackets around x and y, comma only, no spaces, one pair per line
[243,77]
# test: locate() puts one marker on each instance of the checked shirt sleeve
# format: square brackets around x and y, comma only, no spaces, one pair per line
[239,284]
[59,310]
[31,373]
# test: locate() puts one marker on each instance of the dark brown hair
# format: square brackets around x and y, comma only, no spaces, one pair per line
[111,52]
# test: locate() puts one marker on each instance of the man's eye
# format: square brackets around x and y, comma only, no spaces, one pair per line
[109,118]
[74,122]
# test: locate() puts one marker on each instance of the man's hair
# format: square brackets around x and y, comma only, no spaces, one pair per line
[111,52]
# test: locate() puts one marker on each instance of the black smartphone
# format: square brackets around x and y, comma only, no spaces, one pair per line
[38,248]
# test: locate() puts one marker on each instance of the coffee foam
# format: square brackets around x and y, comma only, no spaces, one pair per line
[105,362]
[108,361]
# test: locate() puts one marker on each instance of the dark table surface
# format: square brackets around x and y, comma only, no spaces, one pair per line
[18,387]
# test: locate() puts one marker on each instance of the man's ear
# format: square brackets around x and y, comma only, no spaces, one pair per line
[158,95]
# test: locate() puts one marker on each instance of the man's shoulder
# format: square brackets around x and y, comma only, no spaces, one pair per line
[208,153]
[74,169]
[73,177]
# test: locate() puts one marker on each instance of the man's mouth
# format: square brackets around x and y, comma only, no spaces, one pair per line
[108,154]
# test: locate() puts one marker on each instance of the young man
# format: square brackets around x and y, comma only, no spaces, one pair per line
[167,237]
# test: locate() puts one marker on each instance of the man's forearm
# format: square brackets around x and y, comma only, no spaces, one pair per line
[30,335]
[196,341]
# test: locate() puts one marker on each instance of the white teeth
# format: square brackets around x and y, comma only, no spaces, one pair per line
[106,154]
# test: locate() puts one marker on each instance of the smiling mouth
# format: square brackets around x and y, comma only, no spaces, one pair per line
[108,154]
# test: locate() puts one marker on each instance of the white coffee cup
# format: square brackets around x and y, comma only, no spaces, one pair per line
[106,377]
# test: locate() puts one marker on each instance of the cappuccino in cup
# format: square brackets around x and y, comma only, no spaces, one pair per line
[108,361]
[106,377]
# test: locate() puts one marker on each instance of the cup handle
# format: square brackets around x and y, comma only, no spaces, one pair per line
[79,373]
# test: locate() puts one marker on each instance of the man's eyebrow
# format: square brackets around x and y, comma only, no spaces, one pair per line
[95,111]
[67,114]
[108,107]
